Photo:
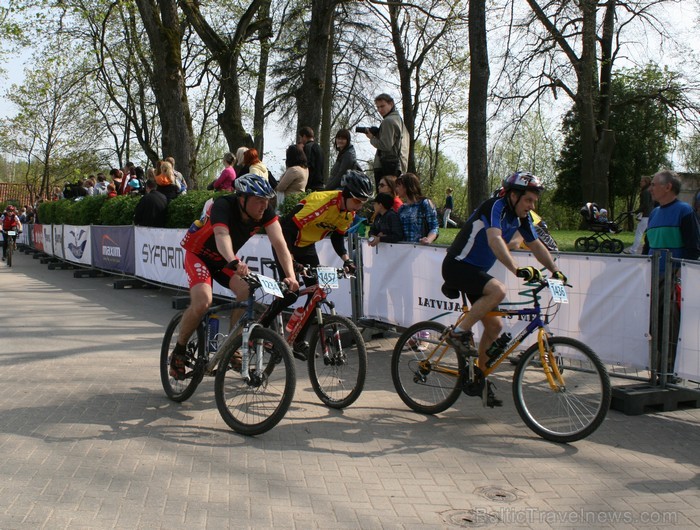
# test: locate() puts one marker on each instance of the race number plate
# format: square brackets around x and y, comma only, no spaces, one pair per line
[270,286]
[328,277]
[11,233]
[556,287]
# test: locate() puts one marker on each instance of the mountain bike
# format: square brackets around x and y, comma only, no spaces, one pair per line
[10,236]
[337,360]
[561,388]
[253,367]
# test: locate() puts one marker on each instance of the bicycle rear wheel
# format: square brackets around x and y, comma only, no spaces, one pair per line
[257,405]
[575,407]
[181,390]
[337,361]
[428,386]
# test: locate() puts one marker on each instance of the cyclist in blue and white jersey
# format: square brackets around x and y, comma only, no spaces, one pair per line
[482,240]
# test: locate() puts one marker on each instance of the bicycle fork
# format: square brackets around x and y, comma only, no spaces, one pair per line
[549,363]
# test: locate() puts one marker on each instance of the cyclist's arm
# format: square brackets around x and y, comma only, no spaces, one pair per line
[224,245]
[274,233]
[500,249]
[542,255]
[338,241]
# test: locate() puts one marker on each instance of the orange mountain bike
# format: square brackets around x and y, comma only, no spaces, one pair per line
[561,388]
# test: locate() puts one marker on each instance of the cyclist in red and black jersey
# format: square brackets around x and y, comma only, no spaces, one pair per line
[210,248]
[10,221]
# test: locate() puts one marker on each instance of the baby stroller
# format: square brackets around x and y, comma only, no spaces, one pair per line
[596,221]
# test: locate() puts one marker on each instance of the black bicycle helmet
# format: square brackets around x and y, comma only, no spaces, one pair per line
[523,181]
[356,184]
[251,184]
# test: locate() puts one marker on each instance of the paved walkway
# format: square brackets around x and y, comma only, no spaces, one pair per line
[90,441]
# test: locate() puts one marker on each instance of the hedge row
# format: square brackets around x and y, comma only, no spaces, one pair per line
[99,210]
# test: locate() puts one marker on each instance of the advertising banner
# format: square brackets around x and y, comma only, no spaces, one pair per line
[38,236]
[113,248]
[688,352]
[76,244]
[608,305]
[159,256]
[58,241]
[48,239]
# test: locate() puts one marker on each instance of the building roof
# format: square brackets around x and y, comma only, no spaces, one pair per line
[16,194]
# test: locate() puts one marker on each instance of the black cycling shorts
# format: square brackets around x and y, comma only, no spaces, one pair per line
[465,278]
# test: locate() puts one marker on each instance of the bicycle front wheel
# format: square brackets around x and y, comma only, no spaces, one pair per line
[568,408]
[426,371]
[337,361]
[181,390]
[10,245]
[255,404]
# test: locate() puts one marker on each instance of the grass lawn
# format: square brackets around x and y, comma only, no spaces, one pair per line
[564,238]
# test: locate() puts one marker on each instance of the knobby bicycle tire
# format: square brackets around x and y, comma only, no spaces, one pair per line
[337,361]
[575,410]
[181,390]
[255,407]
[421,384]
[10,244]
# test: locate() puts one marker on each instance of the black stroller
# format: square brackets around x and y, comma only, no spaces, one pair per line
[602,228]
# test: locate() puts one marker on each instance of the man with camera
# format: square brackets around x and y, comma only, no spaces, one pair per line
[391,139]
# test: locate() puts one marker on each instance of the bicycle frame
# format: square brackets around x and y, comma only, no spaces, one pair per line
[534,315]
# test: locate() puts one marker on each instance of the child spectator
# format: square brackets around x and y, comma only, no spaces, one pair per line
[386,226]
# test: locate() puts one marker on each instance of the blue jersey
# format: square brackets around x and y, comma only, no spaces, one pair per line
[471,244]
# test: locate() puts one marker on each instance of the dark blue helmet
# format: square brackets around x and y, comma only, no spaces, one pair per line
[253,185]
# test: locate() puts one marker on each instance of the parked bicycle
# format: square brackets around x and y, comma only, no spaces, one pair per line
[560,387]
[253,367]
[337,360]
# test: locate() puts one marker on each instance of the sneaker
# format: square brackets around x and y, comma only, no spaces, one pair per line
[489,397]
[301,350]
[462,343]
[178,363]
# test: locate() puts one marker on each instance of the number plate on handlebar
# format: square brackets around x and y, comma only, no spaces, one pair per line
[556,287]
[11,233]
[328,277]
[270,286]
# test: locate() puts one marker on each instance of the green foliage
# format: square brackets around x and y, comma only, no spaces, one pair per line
[446,175]
[184,209]
[290,201]
[118,210]
[569,189]
[87,210]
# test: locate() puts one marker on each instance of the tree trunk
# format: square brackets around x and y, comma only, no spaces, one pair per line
[310,94]
[325,134]
[404,68]
[265,33]
[226,53]
[168,81]
[477,166]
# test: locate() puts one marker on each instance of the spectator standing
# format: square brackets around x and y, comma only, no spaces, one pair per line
[294,179]
[314,158]
[449,206]
[673,227]
[101,184]
[179,179]
[152,208]
[255,166]
[346,159]
[386,226]
[90,186]
[166,181]
[392,141]
[111,191]
[240,166]
[227,176]
[418,215]
[387,184]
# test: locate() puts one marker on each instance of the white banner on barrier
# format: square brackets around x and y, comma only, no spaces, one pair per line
[688,352]
[48,239]
[76,244]
[58,241]
[608,309]
[159,256]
